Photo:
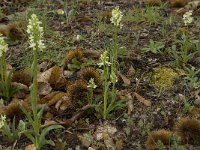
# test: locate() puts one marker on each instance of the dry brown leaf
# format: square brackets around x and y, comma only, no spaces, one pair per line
[44,88]
[56,98]
[64,103]
[49,123]
[44,66]
[48,97]
[20,86]
[143,100]
[194,5]
[130,103]
[58,104]
[124,78]
[30,147]
[131,72]
[90,53]
[44,77]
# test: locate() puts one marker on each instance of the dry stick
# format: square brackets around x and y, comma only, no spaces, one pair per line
[68,122]
[135,91]
[82,110]
[14,144]
[137,84]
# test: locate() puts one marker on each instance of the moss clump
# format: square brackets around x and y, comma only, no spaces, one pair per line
[163,77]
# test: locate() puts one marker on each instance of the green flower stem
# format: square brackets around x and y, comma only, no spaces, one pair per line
[2,70]
[91,93]
[36,123]
[106,73]
[106,88]
[115,48]
[2,73]
[185,47]
[110,72]
[114,62]
[34,86]
[37,135]
[113,94]
[4,77]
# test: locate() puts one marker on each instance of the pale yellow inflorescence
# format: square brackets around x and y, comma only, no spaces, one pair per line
[104,59]
[113,77]
[92,84]
[3,46]
[116,17]
[35,32]
[187,18]
[2,121]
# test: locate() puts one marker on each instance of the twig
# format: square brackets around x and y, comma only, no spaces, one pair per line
[14,144]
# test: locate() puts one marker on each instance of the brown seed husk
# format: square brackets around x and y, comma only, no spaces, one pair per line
[154,137]
[57,79]
[87,73]
[21,76]
[189,130]
[78,91]
[73,54]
